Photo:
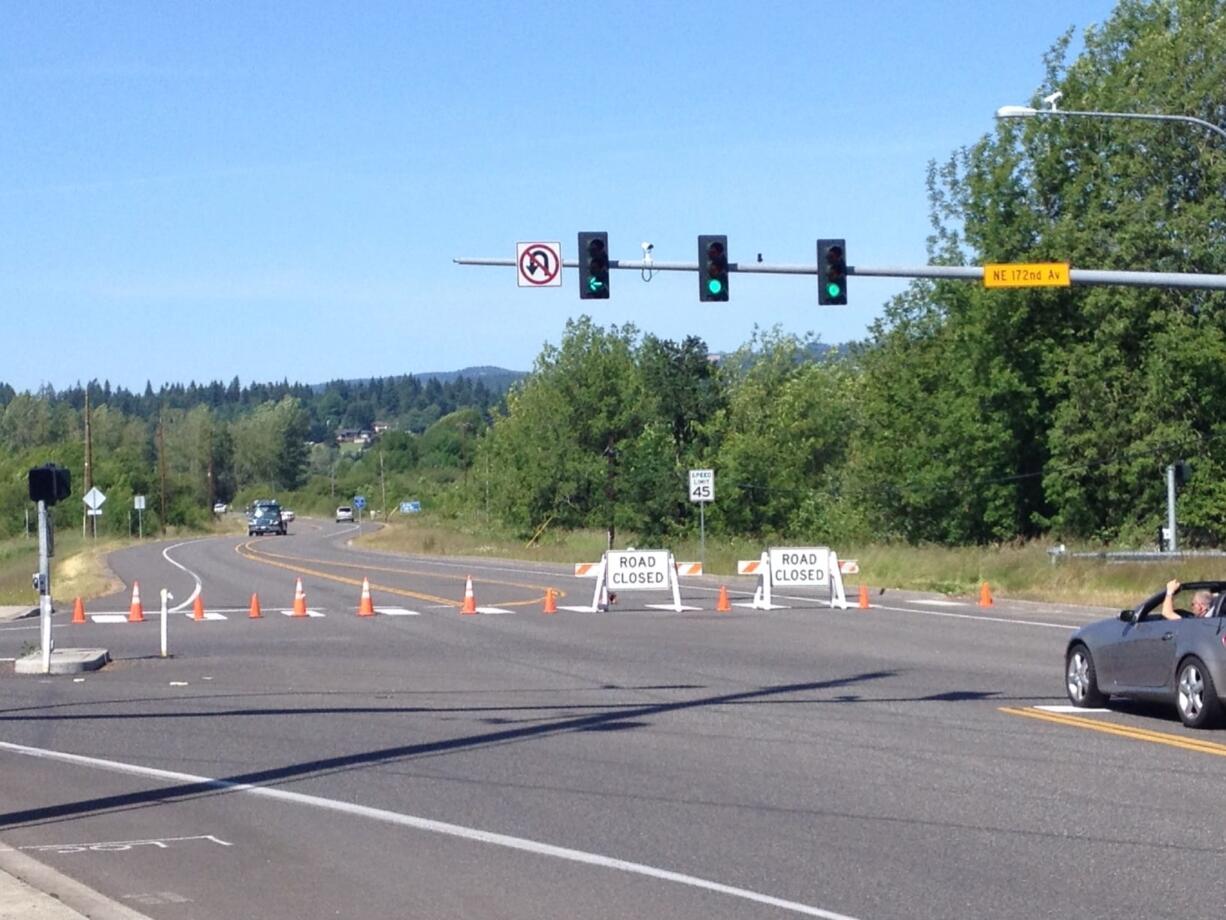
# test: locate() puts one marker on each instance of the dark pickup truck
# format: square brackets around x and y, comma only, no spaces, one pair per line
[264,518]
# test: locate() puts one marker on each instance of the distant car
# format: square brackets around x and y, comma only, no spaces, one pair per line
[287,515]
[220,508]
[1141,655]
[265,517]
[344,513]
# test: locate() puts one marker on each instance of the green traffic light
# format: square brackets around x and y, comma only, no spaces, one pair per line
[834,290]
[593,284]
[715,286]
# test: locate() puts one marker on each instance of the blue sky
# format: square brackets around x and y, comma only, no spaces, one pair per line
[277,190]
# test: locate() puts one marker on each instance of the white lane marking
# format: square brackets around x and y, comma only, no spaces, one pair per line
[109,617]
[219,613]
[1068,709]
[428,824]
[310,613]
[396,612]
[970,616]
[113,846]
[940,603]
[181,566]
[493,610]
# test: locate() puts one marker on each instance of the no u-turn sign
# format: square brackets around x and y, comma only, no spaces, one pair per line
[538,264]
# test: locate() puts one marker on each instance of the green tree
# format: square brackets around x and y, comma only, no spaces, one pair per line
[1059,409]
[582,406]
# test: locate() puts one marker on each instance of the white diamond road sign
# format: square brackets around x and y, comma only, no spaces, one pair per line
[93,499]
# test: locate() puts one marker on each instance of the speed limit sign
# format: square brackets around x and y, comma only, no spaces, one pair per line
[702,485]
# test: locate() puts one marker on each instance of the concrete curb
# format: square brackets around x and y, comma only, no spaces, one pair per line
[30,890]
[64,661]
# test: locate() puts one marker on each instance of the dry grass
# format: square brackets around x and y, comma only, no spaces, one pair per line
[78,568]
[1015,571]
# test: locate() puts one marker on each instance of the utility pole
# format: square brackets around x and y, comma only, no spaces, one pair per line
[1172,545]
[610,491]
[162,465]
[383,484]
[89,464]
[209,474]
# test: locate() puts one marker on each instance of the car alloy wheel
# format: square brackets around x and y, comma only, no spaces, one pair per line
[1196,697]
[1080,680]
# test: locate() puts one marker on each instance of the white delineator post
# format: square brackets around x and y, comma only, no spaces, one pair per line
[166,595]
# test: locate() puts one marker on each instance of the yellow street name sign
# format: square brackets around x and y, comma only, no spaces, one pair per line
[1026,274]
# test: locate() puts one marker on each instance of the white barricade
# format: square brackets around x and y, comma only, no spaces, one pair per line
[635,570]
[796,567]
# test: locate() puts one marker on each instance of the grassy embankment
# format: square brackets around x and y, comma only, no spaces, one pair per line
[1019,571]
[78,568]
[1016,571]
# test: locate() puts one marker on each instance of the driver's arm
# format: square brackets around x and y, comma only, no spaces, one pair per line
[1168,602]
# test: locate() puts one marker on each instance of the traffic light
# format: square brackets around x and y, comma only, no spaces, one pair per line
[594,266]
[1183,472]
[713,268]
[49,484]
[831,272]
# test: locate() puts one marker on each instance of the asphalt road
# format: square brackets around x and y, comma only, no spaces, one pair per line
[888,763]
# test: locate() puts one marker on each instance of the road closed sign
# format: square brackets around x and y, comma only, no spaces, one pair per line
[800,566]
[638,570]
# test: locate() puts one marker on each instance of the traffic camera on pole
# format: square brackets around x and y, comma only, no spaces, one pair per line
[594,266]
[831,272]
[713,268]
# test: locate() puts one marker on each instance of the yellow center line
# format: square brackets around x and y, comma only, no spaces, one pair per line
[1122,731]
[247,551]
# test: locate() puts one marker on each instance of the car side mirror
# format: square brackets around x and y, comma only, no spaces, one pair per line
[1126,616]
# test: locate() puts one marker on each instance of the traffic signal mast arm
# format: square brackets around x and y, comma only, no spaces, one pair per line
[974,273]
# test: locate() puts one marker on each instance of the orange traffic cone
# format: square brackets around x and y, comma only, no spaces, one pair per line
[78,611]
[723,605]
[551,602]
[136,613]
[366,607]
[198,608]
[470,599]
[864,597]
[255,614]
[985,595]
[299,600]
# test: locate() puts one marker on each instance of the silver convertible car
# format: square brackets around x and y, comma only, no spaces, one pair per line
[1142,655]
